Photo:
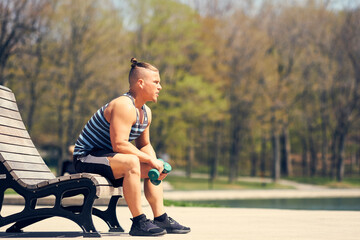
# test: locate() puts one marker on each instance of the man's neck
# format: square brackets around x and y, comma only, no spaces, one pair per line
[138,101]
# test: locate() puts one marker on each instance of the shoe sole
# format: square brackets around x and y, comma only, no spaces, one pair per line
[149,234]
[177,231]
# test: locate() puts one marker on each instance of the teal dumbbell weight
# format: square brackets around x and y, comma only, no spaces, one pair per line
[154,173]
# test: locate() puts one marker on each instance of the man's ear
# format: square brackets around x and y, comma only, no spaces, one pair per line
[140,83]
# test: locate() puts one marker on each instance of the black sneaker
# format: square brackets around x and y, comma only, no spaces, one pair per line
[145,227]
[172,226]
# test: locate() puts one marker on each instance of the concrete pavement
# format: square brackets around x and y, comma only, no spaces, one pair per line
[215,224]
[218,223]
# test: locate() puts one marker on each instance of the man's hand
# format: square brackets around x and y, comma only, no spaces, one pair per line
[162,176]
[159,165]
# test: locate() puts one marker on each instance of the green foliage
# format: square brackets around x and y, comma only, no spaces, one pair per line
[230,78]
[188,204]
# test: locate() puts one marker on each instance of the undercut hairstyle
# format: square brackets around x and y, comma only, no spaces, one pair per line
[137,68]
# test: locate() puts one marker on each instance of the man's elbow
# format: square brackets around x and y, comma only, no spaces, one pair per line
[120,147]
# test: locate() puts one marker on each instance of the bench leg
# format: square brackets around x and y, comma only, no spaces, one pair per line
[18,226]
[109,215]
[81,215]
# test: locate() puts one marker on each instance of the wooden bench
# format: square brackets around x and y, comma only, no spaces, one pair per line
[23,170]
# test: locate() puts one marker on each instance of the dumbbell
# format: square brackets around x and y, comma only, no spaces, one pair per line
[154,173]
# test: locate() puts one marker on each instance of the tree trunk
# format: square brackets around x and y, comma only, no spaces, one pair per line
[313,153]
[2,77]
[357,159]
[60,117]
[234,152]
[304,162]
[340,162]
[190,154]
[217,151]
[275,139]
[324,124]
[235,141]
[263,157]
[253,158]
[334,154]
[286,168]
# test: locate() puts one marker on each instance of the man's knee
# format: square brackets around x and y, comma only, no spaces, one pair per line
[133,164]
[124,164]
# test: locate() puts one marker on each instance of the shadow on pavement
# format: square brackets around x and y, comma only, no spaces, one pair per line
[53,234]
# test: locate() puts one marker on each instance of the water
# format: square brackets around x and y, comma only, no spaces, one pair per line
[348,204]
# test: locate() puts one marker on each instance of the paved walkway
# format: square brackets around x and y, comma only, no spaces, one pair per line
[220,223]
[216,224]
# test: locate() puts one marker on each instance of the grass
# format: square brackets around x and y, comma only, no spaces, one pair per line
[350,182]
[188,204]
[184,183]
[10,191]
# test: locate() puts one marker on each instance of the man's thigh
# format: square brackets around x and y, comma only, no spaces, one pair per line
[123,163]
[99,164]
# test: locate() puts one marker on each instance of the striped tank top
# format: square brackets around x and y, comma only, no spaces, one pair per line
[96,134]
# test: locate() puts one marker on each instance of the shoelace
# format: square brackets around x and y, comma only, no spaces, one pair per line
[172,221]
[146,222]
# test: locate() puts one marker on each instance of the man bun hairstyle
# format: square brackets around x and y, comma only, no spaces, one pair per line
[133,62]
[136,69]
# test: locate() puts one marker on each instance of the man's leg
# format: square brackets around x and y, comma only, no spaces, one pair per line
[155,196]
[128,167]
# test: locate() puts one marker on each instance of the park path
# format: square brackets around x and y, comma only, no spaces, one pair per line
[216,224]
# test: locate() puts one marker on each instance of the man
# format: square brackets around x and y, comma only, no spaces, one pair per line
[104,147]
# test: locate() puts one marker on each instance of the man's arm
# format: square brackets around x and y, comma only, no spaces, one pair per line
[143,142]
[122,117]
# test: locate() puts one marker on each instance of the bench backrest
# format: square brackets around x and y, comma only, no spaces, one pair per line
[17,151]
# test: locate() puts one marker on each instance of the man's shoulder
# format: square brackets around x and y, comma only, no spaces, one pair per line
[121,104]
[122,101]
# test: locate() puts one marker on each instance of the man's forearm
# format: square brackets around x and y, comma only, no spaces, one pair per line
[148,149]
[129,148]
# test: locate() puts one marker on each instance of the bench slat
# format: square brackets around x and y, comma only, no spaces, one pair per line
[26,166]
[16,174]
[100,180]
[11,123]
[14,132]
[30,183]
[16,157]
[16,140]
[18,149]
[104,191]
[8,104]
[10,113]
[6,93]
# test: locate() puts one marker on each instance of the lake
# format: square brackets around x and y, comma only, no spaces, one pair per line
[348,204]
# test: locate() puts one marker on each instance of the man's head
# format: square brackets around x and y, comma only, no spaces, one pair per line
[144,78]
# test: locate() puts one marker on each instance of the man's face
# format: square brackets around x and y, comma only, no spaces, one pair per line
[152,85]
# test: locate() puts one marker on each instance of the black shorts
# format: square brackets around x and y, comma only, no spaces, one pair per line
[98,163]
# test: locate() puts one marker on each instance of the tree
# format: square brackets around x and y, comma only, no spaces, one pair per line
[18,22]
[346,95]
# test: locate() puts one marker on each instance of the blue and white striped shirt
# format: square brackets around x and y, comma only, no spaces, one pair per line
[96,134]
